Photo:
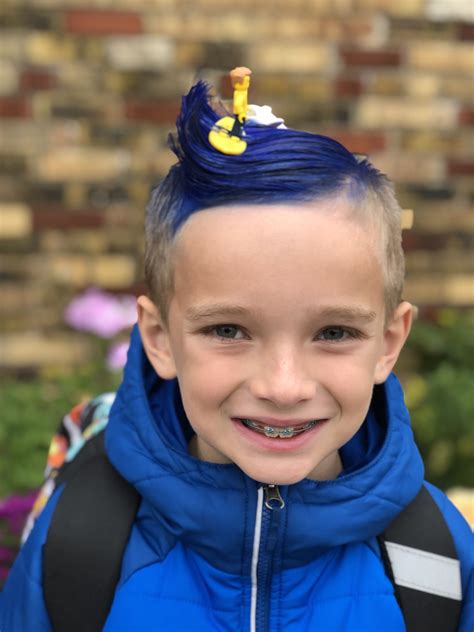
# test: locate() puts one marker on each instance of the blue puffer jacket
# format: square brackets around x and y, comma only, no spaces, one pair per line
[206,554]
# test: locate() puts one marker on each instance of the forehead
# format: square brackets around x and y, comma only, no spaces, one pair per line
[272,253]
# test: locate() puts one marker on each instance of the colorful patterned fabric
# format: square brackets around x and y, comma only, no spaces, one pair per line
[81,423]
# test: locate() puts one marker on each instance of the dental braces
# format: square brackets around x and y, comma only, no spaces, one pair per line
[282,433]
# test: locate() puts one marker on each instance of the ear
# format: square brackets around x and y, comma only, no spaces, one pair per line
[394,338]
[155,338]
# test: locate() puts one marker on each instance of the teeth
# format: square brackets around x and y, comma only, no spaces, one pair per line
[283,433]
[274,432]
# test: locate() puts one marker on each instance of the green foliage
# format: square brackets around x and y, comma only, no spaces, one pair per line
[31,412]
[440,396]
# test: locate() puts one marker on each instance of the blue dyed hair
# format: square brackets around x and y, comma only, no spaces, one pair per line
[278,166]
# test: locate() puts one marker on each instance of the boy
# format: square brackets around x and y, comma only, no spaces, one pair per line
[258,417]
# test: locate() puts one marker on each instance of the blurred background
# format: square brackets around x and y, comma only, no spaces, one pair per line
[88,94]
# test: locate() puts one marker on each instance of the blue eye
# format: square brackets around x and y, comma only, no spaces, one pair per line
[228,331]
[333,334]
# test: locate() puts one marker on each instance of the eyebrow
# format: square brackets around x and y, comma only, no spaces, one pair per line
[342,313]
[200,312]
[351,313]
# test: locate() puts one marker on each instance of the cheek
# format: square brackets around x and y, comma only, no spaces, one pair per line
[351,384]
[203,388]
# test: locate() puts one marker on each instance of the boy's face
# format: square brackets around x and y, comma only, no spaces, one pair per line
[277,318]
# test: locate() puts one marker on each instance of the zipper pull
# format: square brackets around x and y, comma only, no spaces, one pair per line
[273,499]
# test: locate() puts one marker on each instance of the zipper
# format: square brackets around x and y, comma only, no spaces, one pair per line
[267,519]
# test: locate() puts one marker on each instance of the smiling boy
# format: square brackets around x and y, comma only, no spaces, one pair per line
[258,417]
[277,319]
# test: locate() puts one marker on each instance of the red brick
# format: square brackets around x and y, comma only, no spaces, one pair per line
[97,22]
[346,87]
[32,79]
[153,111]
[466,116]
[15,107]
[418,241]
[357,57]
[359,142]
[465,31]
[460,167]
[225,87]
[60,218]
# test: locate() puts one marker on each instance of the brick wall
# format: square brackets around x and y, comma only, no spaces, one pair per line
[89,91]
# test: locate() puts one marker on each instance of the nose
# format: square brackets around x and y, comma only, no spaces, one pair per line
[282,379]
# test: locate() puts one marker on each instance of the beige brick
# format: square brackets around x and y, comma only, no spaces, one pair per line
[457,57]
[74,241]
[171,25]
[31,349]
[9,75]
[17,298]
[81,164]
[432,141]
[451,261]
[403,167]
[15,221]
[70,270]
[422,85]
[385,112]
[29,138]
[436,289]
[385,84]
[154,163]
[189,53]
[46,48]
[114,271]
[12,46]
[78,76]
[140,52]
[75,194]
[307,88]
[79,270]
[291,57]
[442,217]
[407,218]
[400,8]
[453,10]
[457,87]
[231,26]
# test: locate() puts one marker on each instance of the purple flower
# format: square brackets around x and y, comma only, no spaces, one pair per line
[101,313]
[117,356]
[15,509]
[3,574]
[6,555]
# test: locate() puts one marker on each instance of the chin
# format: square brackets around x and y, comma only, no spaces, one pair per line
[271,476]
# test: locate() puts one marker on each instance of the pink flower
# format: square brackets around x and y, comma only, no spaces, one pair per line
[117,356]
[101,313]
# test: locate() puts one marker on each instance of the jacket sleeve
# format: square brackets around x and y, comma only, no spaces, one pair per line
[464,542]
[22,605]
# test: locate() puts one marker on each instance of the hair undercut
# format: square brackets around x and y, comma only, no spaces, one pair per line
[279,166]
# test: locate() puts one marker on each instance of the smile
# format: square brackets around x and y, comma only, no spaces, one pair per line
[274,432]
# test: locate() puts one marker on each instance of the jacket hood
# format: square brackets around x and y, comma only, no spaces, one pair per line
[211,507]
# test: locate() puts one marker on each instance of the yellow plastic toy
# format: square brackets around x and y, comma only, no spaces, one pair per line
[226,134]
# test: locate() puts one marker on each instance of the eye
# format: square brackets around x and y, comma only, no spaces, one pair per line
[335,334]
[231,332]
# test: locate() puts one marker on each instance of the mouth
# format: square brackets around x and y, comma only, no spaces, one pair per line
[278,431]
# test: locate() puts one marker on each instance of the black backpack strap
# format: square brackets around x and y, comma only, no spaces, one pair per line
[421,560]
[86,539]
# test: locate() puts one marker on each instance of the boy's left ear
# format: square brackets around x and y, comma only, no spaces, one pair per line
[394,338]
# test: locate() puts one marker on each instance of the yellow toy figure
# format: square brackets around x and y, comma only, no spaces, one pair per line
[226,135]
